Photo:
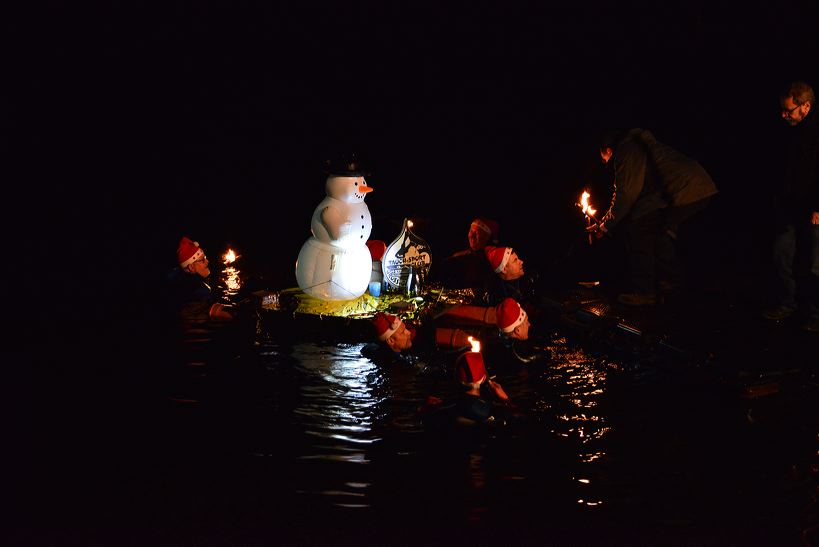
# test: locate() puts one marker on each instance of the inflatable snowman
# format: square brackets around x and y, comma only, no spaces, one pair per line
[335,264]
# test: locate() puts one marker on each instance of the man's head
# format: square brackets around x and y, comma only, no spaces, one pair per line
[481,232]
[505,262]
[470,369]
[392,331]
[608,142]
[192,258]
[796,102]
[513,321]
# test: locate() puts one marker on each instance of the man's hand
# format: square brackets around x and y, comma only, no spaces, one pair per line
[599,230]
[815,219]
[497,390]
[219,313]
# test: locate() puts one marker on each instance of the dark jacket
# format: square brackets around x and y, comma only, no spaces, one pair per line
[466,269]
[383,356]
[649,175]
[798,195]
[188,297]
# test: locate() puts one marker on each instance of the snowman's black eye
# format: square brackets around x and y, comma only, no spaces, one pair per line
[356,183]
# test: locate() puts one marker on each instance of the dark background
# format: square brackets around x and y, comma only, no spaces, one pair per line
[131,124]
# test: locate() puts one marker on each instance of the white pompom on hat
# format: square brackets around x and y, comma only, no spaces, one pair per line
[188,252]
[386,325]
[510,314]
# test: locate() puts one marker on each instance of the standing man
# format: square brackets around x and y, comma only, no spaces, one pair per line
[796,211]
[656,188]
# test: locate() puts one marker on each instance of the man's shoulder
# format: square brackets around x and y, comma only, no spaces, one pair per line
[811,128]
[474,407]
[383,355]
[462,253]
[173,274]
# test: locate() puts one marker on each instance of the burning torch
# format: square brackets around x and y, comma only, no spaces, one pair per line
[588,211]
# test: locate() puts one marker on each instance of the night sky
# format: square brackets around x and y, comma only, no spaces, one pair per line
[133,124]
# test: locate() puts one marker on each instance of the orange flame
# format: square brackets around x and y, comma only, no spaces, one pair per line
[584,203]
[230,257]
[476,345]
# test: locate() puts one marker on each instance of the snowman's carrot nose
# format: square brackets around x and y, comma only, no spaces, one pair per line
[365,189]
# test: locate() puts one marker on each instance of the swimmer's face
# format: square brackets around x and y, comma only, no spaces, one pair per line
[200,267]
[521,332]
[514,267]
[401,339]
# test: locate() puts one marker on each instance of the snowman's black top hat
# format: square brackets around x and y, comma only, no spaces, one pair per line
[347,166]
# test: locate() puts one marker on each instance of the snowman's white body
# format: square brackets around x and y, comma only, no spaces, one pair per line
[335,263]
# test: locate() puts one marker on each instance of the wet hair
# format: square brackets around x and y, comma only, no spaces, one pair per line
[800,92]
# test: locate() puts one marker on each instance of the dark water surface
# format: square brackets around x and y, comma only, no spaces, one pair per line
[259,435]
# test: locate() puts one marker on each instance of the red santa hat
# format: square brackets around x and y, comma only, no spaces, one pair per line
[470,368]
[489,226]
[510,314]
[188,252]
[386,325]
[377,248]
[498,257]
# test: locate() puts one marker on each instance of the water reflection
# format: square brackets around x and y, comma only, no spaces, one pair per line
[330,430]
[338,405]
[232,281]
[571,408]
[345,405]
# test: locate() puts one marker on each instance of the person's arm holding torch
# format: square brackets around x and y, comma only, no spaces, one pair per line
[592,225]
[629,176]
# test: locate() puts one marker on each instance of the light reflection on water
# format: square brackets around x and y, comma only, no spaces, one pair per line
[338,405]
[344,433]
[346,404]
[571,407]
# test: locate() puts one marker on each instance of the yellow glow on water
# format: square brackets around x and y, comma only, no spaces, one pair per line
[232,280]
[574,406]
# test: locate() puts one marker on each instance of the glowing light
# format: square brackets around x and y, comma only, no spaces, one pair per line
[230,256]
[476,345]
[410,224]
[232,280]
[585,205]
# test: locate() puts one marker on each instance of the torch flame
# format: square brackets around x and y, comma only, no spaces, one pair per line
[584,203]
[409,224]
[229,257]
[476,345]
